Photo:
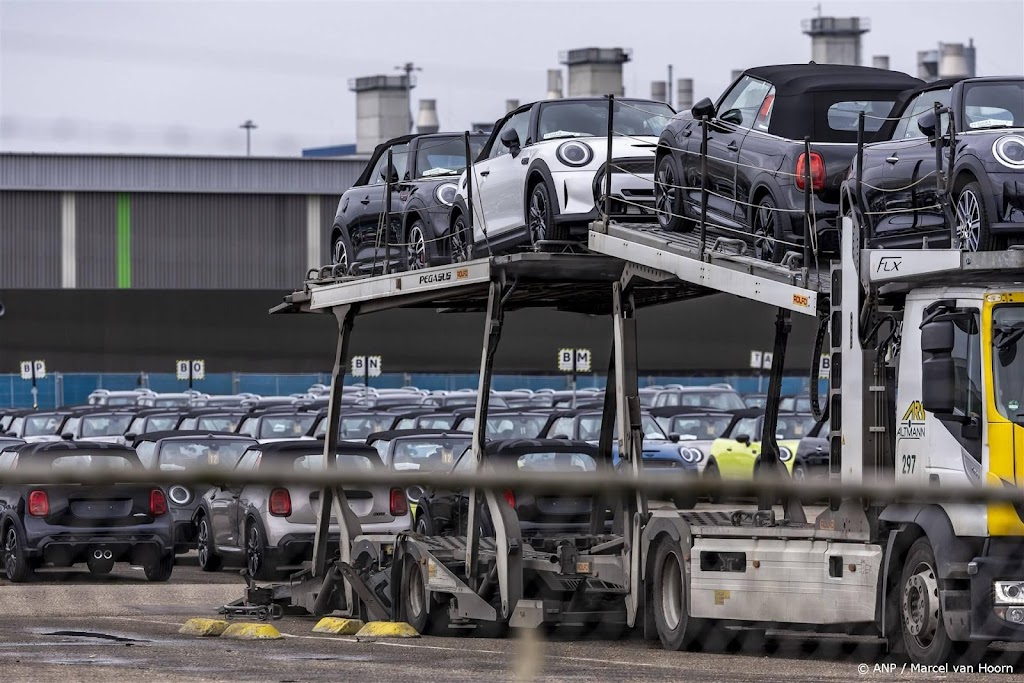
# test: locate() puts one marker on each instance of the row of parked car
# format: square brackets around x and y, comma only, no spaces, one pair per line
[541,173]
[709,431]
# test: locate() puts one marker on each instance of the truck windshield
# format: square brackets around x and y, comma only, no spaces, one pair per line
[1008,360]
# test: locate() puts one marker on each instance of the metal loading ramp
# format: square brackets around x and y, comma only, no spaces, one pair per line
[723,266]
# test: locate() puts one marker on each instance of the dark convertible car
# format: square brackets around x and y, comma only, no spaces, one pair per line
[756,161]
[425,170]
[899,203]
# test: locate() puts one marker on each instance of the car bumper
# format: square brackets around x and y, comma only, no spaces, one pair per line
[125,546]
[282,536]
[989,621]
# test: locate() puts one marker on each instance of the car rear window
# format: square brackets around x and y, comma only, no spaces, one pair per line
[285,426]
[700,427]
[315,461]
[78,461]
[226,423]
[104,425]
[427,454]
[556,462]
[843,116]
[182,455]
[42,425]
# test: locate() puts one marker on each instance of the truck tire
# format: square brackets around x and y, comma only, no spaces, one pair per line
[922,626]
[677,630]
[417,607]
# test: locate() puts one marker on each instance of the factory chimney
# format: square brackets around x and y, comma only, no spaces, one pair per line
[426,119]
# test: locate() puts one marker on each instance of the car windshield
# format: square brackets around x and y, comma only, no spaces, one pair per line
[182,454]
[352,427]
[285,426]
[589,118]
[121,401]
[990,104]
[794,426]
[42,425]
[427,453]
[160,424]
[700,428]
[509,426]
[590,428]
[315,461]
[445,156]
[169,402]
[218,423]
[435,421]
[719,400]
[556,462]
[104,425]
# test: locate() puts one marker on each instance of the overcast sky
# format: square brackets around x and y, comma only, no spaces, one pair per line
[179,77]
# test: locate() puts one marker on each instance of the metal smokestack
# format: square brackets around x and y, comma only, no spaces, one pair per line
[554,84]
[426,119]
[880,61]
[684,94]
[510,105]
[952,61]
[659,91]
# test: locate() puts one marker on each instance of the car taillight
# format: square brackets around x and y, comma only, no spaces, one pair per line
[399,503]
[280,503]
[157,503]
[38,504]
[817,171]
[510,498]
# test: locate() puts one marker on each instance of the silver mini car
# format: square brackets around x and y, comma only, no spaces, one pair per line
[270,529]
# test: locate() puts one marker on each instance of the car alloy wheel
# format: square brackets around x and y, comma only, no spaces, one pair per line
[208,560]
[461,251]
[764,230]
[416,249]
[339,254]
[540,213]
[968,220]
[11,551]
[665,194]
[253,552]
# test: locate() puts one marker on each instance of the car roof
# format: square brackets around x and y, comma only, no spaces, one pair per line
[792,79]
[189,434]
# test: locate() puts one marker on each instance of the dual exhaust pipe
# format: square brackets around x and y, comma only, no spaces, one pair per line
[101,554]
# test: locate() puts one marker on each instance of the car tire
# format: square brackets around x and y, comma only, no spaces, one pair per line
[418,251]
[922,626]
[341,252]
[424,526]
[677,630]
[712,474]
[800,472]
[209,561]
[972,220]
[257,558]
[540,215]
[668,197]
[160,570]
[460,242]
[17,565]
[766,228]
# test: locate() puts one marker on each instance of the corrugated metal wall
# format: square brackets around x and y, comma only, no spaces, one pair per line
[217,241]
[96,240]
[328,210]
[30,239]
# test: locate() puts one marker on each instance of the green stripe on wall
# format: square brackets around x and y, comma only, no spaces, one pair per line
[124,241]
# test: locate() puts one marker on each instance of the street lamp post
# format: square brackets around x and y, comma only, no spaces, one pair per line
[248,126]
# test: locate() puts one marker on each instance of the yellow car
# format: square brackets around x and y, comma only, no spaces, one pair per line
[733,454]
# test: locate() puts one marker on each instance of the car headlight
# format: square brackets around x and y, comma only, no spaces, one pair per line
[445,193]
[1009,592]
[574,153]
[690,455]
[785,455]
[179,495]
[1009,151]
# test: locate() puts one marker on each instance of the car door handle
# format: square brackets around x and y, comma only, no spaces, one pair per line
[893,159]
[364,200]
[732,146]
[484,174]
[687,133]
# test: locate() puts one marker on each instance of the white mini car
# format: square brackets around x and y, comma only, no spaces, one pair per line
[542,171]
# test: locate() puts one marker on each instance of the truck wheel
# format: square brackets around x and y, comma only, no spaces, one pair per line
[419,611]
[208,559]
[677,630]
[161,569]
[924,631]
[16,562]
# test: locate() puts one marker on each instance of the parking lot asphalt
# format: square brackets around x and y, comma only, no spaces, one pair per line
[71,626]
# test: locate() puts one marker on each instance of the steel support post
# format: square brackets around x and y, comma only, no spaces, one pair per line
[508,536]
[334,497]
[598,511]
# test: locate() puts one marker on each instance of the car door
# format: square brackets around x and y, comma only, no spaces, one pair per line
[372,202]
[501,179]
[734,116]
[908,191]
[224,506]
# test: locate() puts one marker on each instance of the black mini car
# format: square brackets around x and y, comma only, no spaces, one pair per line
[756,158]
[443,512]
[65,524]
[899,201]
[424,171]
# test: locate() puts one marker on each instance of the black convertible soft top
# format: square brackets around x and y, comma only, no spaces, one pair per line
[794,79]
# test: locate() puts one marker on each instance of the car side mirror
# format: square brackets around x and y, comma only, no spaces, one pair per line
[733,116]
[67,436]
[130,436]
[510,138]
[743,439]
[389,171]
[927,124]
[704,107]
[674,437]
